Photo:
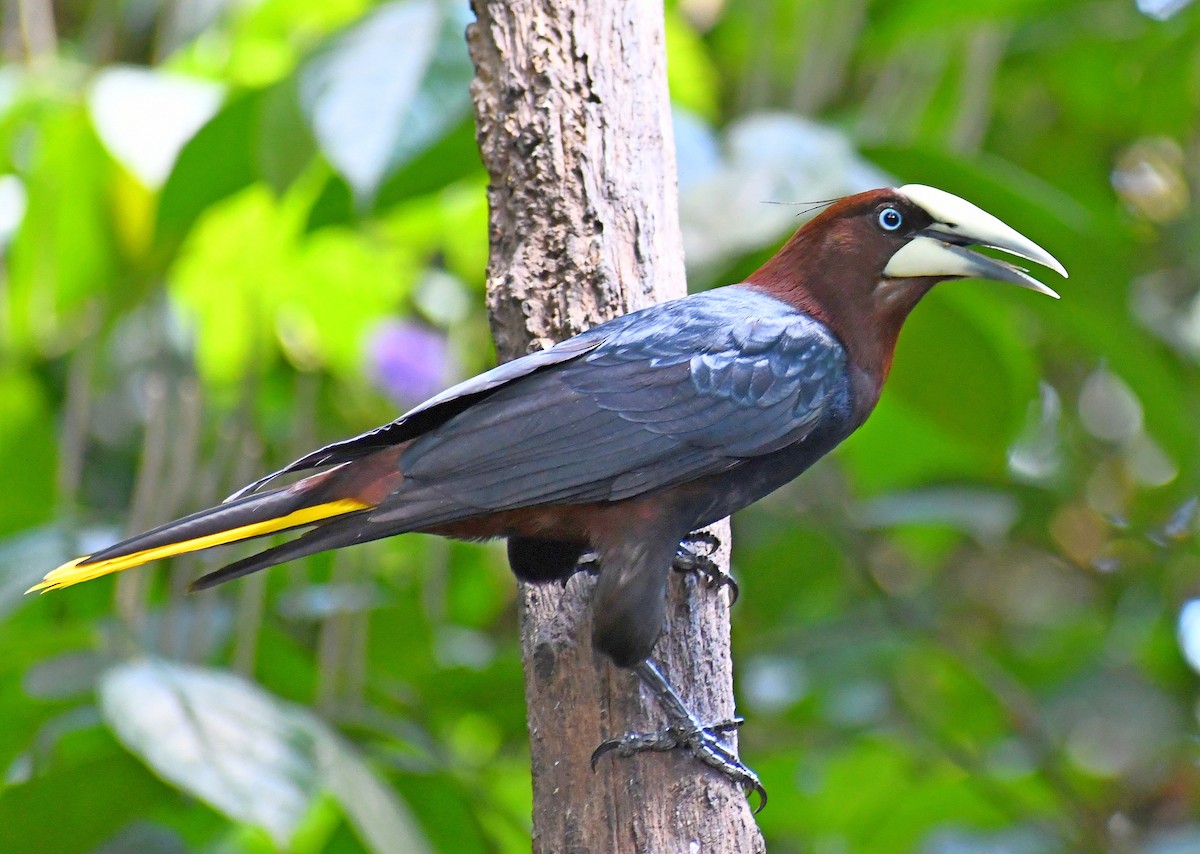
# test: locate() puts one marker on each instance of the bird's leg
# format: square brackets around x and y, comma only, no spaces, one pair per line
[684,731]
[695,555]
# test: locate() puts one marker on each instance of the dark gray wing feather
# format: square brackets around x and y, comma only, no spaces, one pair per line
[673,393]
[434,411]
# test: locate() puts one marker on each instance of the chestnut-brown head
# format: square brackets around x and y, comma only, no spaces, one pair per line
[866,260]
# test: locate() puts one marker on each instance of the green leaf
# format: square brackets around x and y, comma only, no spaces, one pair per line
[25,558]
[961,363]
[248,754]
[28,455]
[334,205]
[255,284]
[342,284]
[218,738]
[64,256]
[388,88]
[452,158]
[217,162]
[900,447]
[76,807]
[920,18]
[381,820]
[693,79]
[283,144]
[145,116]
[235,252]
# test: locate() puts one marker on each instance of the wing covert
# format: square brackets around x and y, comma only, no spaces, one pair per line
[691,388]
[441,407]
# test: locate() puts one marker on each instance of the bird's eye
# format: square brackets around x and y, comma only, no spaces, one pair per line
[890,219]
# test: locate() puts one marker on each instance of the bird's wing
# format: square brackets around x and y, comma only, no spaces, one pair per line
[672,393]
[432,412]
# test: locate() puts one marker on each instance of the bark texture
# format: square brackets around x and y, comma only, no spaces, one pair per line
[574,128]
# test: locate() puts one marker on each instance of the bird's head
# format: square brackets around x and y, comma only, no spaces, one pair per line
[866,260]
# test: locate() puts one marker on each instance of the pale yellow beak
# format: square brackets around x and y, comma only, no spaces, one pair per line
[940,249]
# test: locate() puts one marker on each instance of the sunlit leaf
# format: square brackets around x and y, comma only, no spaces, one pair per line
[145,116]
[388,88]
[283,143]
[217,162]
[692,78]
[268,39]
[255,758]
[12,207]
[254,285]
[64,254]
[219,738]
[342,284]
[235,253]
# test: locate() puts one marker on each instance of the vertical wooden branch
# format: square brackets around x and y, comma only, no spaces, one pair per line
[574,129]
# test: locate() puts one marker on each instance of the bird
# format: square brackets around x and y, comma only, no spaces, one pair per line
[621,441]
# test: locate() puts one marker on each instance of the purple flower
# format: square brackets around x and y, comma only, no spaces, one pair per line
[409,362]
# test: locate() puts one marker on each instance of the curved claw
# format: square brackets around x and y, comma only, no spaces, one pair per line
[708,750]
[732,725]
[689,559]
[757,788]
[734,591]
[605,747]
[701,742]
[711,540]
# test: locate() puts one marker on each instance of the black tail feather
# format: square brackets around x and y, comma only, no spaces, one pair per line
[344,531]
[246,511]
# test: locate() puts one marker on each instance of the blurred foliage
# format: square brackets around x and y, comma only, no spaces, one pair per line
[230,230]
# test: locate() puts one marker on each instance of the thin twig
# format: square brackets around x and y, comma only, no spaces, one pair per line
[77,409]
[39,37]
[131,587]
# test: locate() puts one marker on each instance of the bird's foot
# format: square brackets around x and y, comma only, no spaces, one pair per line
[702,742]
[684,732]
[695,555]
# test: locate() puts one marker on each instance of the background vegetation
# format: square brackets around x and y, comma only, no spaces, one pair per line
[233,230]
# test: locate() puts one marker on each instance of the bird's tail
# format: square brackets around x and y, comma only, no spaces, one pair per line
[243,519]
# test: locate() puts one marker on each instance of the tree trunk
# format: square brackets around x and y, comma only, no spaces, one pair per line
[574,129]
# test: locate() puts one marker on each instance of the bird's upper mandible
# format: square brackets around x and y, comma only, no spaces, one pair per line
[938,249]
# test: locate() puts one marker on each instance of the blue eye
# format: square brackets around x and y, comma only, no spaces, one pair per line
[890,219]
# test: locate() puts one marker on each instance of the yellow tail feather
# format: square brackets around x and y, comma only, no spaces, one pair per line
[72,573]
